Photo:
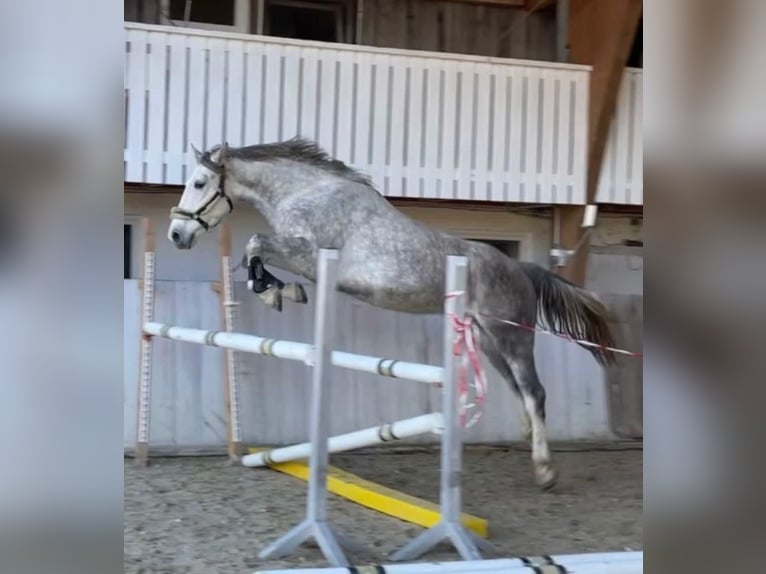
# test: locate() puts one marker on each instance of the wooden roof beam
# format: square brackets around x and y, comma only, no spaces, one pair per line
[600,34]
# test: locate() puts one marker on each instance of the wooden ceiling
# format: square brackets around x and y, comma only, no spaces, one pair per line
[527,5]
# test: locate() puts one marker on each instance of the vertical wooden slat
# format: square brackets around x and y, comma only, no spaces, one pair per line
[396,127]
[344,106]
[481,140]
[547,137]
[177,147]
[464,145]
[253,90]
[327,94]
[308,119]
[431,136]
[197,92]
[637,161]
[272,108]
[580,143]
[364,112]
[449,135]
[564,133]
[156,114]
[216,93]
[290,95]
[414,141]
[136,105]
[531,149]
[235,91]
[515,151]
[621,123]
[499,133]
[381,111]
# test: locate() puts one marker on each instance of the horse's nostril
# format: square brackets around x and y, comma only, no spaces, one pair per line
[175,236]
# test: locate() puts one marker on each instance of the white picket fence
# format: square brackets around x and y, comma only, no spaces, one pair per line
[422,124]
[622,171]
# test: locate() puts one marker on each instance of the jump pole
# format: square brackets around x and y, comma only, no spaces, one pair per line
[588,563]
[235,445]
[143,409]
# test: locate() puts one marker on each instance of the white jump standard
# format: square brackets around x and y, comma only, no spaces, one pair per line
[322,358]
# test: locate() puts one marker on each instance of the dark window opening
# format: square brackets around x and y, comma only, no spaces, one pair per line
[636,57]
[510,248]
[318,21]
[220,12]
[127,236]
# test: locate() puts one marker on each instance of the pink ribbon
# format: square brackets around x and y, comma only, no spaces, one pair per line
[465,346]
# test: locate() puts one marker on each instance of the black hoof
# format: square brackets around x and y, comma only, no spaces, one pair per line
[259,280]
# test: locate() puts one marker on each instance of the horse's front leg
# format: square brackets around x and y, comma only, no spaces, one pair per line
[289,253]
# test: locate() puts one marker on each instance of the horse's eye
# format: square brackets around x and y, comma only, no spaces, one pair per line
[199,184]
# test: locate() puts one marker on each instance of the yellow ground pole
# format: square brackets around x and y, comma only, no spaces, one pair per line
[380,498]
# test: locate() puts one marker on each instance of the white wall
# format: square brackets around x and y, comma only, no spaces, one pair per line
[613,268]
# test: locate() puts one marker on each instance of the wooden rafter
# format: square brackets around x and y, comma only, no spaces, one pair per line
[600,34]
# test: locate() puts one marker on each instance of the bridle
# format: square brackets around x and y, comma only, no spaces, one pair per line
[199,213]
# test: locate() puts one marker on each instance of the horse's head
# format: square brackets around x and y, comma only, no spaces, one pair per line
[204,202]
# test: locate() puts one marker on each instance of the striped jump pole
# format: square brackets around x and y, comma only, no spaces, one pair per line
[588,563]
[430,423]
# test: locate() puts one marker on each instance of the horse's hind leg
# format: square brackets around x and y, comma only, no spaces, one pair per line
[492,352]
[522,364]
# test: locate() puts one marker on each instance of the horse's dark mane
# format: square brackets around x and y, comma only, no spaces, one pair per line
[298,149]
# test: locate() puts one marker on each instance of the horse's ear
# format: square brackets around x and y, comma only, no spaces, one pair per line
[223,152]
[197,153]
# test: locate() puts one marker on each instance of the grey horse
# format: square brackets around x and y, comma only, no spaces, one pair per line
[386,259]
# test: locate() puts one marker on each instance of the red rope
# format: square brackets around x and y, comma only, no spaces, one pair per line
[560,335]
[565,337]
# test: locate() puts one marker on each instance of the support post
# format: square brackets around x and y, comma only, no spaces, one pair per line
[143,410]
[449,526]
[235,445]
[600,34]
[316,524]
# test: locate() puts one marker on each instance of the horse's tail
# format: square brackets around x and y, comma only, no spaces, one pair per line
[572,311]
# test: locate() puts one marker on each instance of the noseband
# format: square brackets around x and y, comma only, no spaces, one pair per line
[198,214]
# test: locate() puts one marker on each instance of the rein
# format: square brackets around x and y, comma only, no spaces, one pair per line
[197,215]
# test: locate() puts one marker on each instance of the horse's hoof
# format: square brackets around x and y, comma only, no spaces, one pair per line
[272,297]
[546,477]
[295,292]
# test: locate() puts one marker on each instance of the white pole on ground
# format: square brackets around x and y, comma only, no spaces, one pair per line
[143,402]
[588,563]
[431,422]
[449,526]
[316,525]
